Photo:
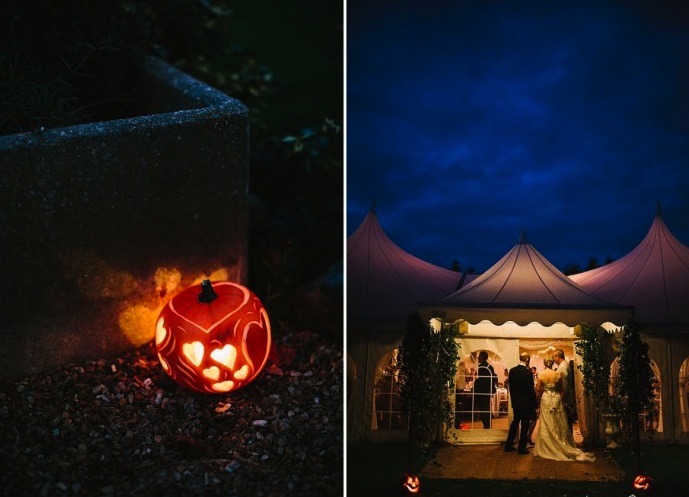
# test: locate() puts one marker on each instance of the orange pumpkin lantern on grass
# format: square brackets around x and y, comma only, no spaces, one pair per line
[213,339]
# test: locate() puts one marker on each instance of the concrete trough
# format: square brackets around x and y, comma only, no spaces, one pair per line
[102,223]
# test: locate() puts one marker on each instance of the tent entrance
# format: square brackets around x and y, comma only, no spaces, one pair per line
[480,420]
[480,417]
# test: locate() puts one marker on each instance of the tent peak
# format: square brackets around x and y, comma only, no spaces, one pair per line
[659,210]
[522,237]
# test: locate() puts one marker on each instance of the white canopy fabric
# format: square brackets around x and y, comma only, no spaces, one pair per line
[385,283]
[525,287]
[653,277]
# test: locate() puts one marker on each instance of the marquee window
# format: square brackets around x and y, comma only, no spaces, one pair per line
[648,422]
[684,395]
[474,408]
[387,410]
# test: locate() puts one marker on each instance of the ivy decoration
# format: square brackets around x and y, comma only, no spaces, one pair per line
[428,363]
[595,367]
[635,378]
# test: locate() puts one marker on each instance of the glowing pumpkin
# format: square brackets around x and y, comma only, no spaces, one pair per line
[213,341]
[411,483]
[642,482]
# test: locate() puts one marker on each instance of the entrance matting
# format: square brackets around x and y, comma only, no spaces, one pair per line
[492,462]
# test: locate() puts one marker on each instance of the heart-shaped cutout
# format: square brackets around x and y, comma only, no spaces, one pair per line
[223,386]
[225,356]
[212,373]
[242,373]
[194,352]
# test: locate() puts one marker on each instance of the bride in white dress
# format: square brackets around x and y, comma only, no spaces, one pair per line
[554,439]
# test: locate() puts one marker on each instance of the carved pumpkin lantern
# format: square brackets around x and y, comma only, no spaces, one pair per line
[642,482]
[213,339]
[411,484]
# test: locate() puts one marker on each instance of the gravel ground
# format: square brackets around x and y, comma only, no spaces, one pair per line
[120,426]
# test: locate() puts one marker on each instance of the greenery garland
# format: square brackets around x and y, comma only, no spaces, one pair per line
[634,384]
[428,364]
[595,366]
[635,379]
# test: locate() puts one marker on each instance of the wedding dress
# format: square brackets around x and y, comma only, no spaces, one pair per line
[554,439]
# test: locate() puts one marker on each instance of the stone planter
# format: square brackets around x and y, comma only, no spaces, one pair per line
[102,223]
[612,429]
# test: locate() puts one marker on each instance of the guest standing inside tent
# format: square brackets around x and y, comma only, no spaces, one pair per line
[484,387]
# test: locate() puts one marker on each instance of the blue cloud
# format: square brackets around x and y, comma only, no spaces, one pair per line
[470,120]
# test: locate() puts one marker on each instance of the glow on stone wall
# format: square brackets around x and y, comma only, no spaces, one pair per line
[137,319]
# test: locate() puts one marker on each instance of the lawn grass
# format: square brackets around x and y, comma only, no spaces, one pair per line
[376,470]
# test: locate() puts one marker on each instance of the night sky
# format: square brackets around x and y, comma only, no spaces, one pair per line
[470,120]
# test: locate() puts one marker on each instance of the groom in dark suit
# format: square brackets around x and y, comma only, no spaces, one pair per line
[523,396]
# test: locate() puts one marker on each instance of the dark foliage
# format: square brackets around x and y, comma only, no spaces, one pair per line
[427,367]
[66,63]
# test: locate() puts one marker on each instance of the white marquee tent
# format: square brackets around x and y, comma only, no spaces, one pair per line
[520,303]
[384,286]
[654,278]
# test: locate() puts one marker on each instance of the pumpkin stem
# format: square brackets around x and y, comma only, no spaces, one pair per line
[207,294]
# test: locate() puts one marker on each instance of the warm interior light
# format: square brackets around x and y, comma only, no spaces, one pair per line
[225,356]
[411,483]
[223,386]
[161,331]
[642,482]
[194,352]
[212,373]
[242,373]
